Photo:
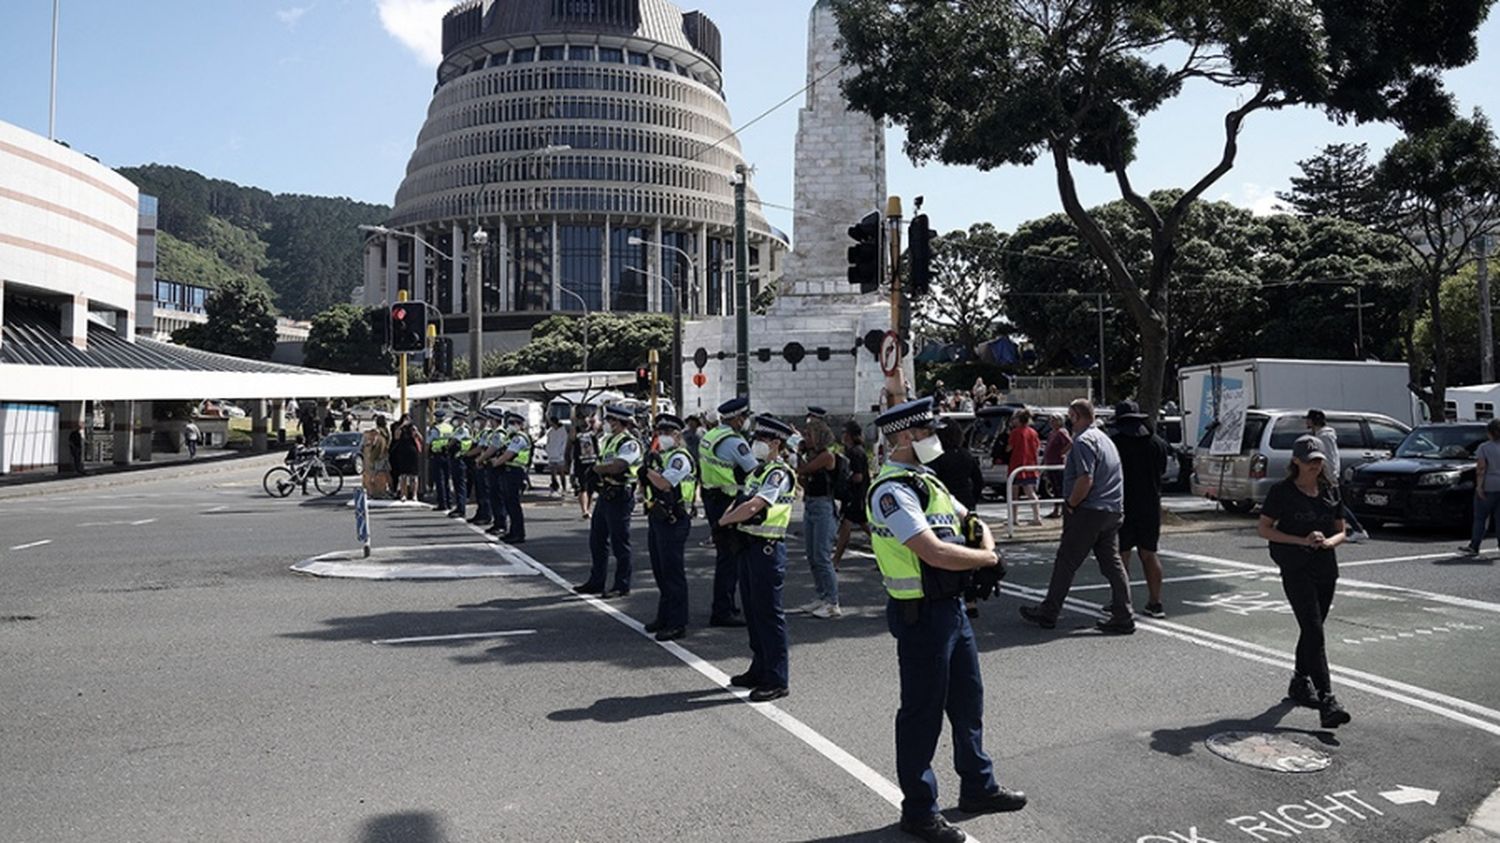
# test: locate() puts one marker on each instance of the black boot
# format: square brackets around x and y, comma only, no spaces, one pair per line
[1301,692]
[1330,713]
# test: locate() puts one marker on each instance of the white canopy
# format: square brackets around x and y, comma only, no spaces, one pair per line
[551,382]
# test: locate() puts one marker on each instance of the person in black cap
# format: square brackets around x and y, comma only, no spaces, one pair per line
[817,413]
[1303,522]
[761,517]
[1317,425]
[619,461]
[668,485]
[1143,458]
[925,562]
[462,441]
[724,461]
[512,462]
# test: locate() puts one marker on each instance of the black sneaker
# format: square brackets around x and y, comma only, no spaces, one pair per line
[766,693]
[1301,692]
[1122,626]
[744,680]
[653,626]
[456,514]
[731,620]
[671,633]
[588,588]
[1035,615]
[998,802]
[934,829]
[1331,714]
[1155,610]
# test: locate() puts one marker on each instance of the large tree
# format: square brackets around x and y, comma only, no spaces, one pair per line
[239,323]
[617,342]
[964,304]
[995,82]
[1337,182]
[346,338]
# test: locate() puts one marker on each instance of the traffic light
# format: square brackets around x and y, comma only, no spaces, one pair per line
[408,327]
[442,356]
[864,256]
[643,379]
[920,255]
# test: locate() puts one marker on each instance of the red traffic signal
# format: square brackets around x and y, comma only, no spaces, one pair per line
[409,327]
[643,378]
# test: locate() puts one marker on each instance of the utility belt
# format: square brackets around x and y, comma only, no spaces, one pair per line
[613,491]
[717,496]
[665,512]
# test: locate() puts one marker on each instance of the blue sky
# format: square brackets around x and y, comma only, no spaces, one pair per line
[326,97]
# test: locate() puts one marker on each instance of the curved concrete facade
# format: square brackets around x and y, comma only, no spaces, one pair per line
[565,129]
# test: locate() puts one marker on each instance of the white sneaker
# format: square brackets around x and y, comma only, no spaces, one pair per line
[1356,536]
[810,608]
[828,610]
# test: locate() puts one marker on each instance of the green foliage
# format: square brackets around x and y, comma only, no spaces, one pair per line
[617,341]
[1460,302]
[345,338]
[964,305]
[1337,182]
[239,323]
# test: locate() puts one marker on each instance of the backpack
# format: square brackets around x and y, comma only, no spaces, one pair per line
[841,475]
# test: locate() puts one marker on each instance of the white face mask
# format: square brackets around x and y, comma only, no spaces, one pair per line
[761,450]
[927,449]
[667,442]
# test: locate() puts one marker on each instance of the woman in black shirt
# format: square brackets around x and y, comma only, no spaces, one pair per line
[1303,520]
[852,507]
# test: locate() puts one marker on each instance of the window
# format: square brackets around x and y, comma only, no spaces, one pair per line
[1385,436]
[1350,433]
[1254,427]
[525,55]
[499,58]
[1483,411]
[663,64]
[531,267]
[552,52]
[1450,410]
[576,53]
[614,55]
[627,267]
[640,59]
[581,256]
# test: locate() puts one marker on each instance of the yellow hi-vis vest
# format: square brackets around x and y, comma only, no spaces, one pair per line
[444,434]
[610,450]
[900,567]
[718,474]
[778,516]
[686,490]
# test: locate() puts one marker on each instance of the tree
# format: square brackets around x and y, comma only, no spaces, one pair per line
[617,342]
[1442,187]
[345,338]
[1459,298]
[1337,182]
[1008,81]
[964,304]
[239,323]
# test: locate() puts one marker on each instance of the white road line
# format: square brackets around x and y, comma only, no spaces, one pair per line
[459,637]
[1431,701]
[220,508]
[1422,557]
[862,772]
[32,544]
[1465,602]
[1214,576]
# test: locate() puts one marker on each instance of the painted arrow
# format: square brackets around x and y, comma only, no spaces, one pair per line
[1407,795]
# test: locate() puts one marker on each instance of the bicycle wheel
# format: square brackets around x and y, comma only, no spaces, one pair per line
[327,482]
[279,482]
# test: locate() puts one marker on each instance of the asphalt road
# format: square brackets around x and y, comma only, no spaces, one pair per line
[166,677]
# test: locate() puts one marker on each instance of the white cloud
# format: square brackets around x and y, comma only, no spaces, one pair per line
[292,15]
[1260,200]
[418,24]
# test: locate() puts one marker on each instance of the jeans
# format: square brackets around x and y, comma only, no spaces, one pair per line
[819,527]
[1308,577]
[1085,530]
[1485,511]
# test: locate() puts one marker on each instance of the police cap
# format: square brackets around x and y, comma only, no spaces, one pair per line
[734,407]
[918,413]
[667,421]
[768,426]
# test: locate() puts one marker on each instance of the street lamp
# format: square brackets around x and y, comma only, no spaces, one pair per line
[585,306]
[677,397]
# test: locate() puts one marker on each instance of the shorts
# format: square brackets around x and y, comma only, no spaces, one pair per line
[557,468]
[1141,531]
[853,511]
[1026,481]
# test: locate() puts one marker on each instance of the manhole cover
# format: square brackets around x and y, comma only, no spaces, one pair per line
[1268,751]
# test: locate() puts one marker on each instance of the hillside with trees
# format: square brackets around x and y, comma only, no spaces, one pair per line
[303,251]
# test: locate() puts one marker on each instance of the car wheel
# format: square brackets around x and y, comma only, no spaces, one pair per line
[1237,507]
[357,466]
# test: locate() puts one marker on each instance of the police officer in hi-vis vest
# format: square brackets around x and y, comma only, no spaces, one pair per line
[917,533]
[619,460]
[459,444]
[668,485]
[438,437]
[759,520]
[724,461]
[484,436]
[512,460]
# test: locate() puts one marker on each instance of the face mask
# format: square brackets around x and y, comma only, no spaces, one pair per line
[761,450]
[927,449]
[667,442]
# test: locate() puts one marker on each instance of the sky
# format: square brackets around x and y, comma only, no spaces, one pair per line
[325,97]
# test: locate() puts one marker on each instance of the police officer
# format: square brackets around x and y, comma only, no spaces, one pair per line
[759,519]
[725,461]
[512,462]
[668,486]
[489,458]
[917,537]
[439,435]
[619,459]
[460,443]
[484,435]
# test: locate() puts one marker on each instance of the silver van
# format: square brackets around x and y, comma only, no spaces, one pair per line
[1240,481]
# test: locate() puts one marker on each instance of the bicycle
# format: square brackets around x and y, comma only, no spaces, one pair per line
[282,480]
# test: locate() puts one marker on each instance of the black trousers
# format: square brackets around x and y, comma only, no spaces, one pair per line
[1308,577]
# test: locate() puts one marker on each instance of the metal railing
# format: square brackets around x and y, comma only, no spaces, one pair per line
[1010,495]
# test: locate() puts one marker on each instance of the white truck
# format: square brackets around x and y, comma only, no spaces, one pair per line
[1472,403]
[1273,383]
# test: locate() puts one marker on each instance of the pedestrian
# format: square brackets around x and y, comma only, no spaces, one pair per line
[512,462]
[1486,490]
[1025,449]
[330,423]
[375,447]
[439,464]
[760,519]
[582,454]
[1059,441]
[815,473]
[668,488]
[1303,521]
[494,445]
[557,456]
[190,436]
[1094,509]
[724,461]
[347,425]
[925,564]
[1317,425]
[620,458]
[692,433]
[460,442]
[852,501]
[484,437]
[1143,458]
[75,448]
[406,457]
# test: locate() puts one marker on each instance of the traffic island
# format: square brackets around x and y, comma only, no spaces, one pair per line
[459,561]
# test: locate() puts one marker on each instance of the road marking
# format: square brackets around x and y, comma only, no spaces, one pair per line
[862,772]
[32,544]
[1213,576]
[1405,794]
[139,523]
[220,508]
[1423,557]
[415,639]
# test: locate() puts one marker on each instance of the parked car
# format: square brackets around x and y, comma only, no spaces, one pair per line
[1240,481]
[1430,480]
[985,432]
[367,411]
[342,451]
[218,408]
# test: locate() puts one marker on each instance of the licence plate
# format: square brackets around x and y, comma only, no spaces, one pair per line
[1377,499]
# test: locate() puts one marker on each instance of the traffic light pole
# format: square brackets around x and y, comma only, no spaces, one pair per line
[741,286]
[476,312]
[401,296]
[895,384]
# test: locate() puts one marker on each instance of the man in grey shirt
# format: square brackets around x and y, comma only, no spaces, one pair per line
[1317,425]
[1094,486]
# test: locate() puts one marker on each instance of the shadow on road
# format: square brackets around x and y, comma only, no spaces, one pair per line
[890,832]
[623,709]
[1464,560]
[1182,741]
[405,827]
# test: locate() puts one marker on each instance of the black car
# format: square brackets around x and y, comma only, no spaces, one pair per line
[342,451]
[1430,480]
